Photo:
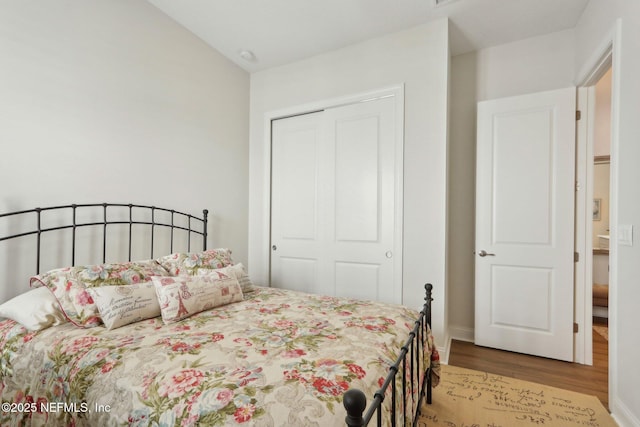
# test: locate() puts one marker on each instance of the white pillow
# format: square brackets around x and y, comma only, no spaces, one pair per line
[35,310]
[125,304]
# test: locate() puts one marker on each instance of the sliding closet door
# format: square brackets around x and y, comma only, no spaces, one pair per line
[336,186]
[296,186]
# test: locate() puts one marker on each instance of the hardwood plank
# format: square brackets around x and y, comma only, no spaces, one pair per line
[591,380]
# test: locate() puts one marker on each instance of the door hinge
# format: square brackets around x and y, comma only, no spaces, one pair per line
[575,328]
[576,257]
[578,115]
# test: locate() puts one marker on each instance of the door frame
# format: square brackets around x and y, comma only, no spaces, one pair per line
[582,341]
[396,91]
[606,55]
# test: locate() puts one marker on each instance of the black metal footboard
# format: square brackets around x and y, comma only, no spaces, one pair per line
[355,401]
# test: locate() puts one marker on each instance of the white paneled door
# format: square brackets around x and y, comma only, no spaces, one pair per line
[336,202]
[525,186]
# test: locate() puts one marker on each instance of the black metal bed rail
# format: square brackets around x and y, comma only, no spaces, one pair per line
[74,225]
[355,401]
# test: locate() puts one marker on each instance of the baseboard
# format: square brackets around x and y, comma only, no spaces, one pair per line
[444,349]
[623,415]
[461,333]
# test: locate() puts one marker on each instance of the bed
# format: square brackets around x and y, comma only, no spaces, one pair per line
[185,338]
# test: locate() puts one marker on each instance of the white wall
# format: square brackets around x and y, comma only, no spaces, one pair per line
[112,101]
[419,59]
[593,30]
[526,66]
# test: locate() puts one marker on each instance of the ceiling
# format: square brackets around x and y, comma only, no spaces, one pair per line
[282,31]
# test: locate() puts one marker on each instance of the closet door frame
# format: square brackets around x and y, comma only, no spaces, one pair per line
[396,91]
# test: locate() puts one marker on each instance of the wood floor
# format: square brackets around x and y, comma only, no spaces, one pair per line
[591,380]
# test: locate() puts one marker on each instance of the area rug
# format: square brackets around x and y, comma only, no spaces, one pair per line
[602,330]
[473,398]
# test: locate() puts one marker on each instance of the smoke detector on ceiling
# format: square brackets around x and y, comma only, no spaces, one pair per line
[247,55]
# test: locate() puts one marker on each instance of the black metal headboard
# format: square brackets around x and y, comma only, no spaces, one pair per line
[176,221]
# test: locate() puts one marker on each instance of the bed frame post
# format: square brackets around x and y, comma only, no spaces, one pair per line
[355,402]
[172,230]
[104,233]
[427,304]
[73,235]
[130,228]
[428,288]
[205,221]
[39,232]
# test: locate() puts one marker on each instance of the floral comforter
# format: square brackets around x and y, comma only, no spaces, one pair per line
[277,358]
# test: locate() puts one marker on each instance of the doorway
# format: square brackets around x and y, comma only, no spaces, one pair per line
[595,199]
[594,141]
[601,201]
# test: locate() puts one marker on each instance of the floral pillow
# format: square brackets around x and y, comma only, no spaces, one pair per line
[122,305]
[180,264]
[184,296]
[69,285]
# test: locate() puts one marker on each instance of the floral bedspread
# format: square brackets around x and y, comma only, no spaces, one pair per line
[278,358]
